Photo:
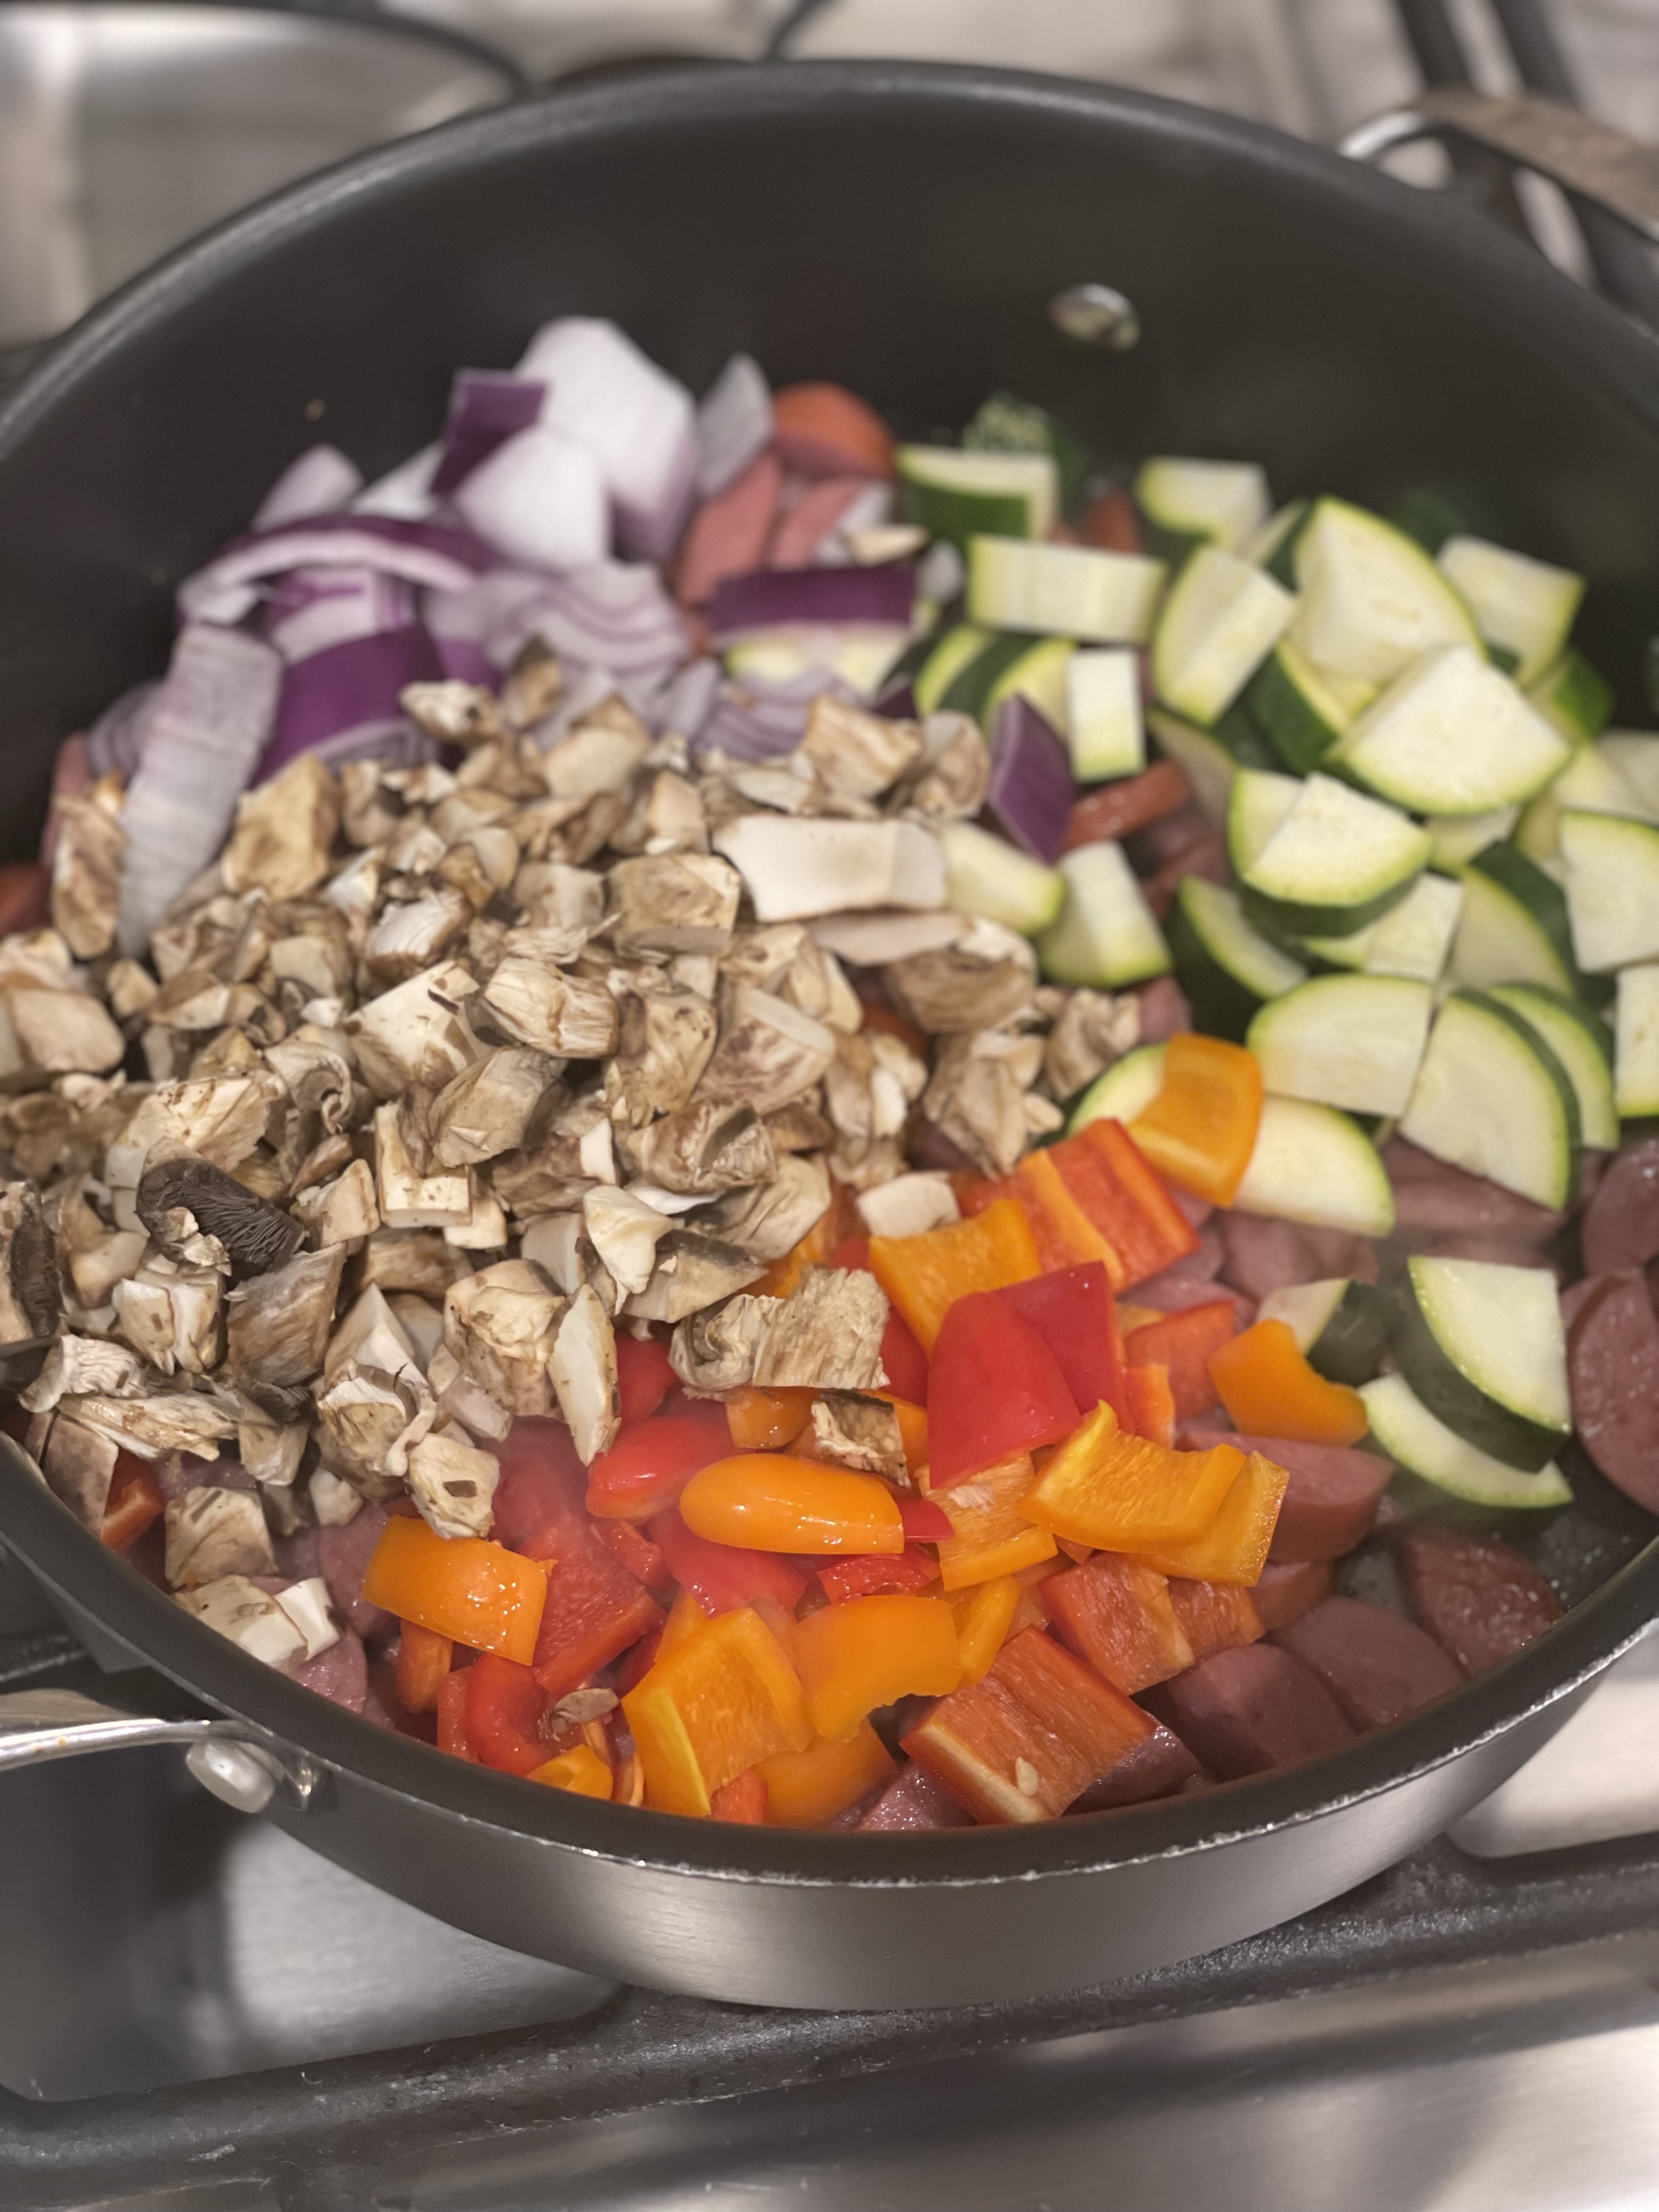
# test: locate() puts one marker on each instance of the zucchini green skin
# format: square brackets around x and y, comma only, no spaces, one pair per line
[969,689]
[1544,899]
[1557,1073]
[1349,1348]
[1574,696]
[1297,739]
[1237,729]
[944,512]
[1452,1398]
[1419,1499]
[1281,563]
[1287,921]
[1222,1006]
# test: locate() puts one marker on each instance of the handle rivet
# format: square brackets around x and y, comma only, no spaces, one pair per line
[235,1775]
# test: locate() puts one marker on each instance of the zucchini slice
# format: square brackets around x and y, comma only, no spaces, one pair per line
[1581,1041]
[1185,502]
[1483,1347]
[1635,754]
[1274,546]
[1491,1098]
[958,649]
[957,496]
[1612,867]
[1227,969]
[1106,935]
[1126,1089]
[1063,591]
[1350,1041]
[1525,606]
[1458,837]
[1454,1469]
[1335,860]
[1452,735]
[1103,720]
[1038,674]
[1636,1042]
[1302,711]
[1576,697]
[1413,939]
[1372,599]
[1313,1163]
[1222,617]
[986,875]
[1592,782]
[1257,806]
[1340,1325]
[1514,925]
[1208,766]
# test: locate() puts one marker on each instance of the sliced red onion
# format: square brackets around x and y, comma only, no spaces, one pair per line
[342,703]
[405,493]
[615,615]
[465,663]
[486,408]
[756,721]
[489,613]
[429,553]
[682,705]
[320,481]
[310,609]
[636,420]
[771,599]
[208,725]
[897,703]
[1032,791]
[116,739]
[734,424]
[540,501]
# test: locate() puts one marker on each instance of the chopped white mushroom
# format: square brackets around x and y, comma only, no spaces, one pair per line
[344,1210]
[278,1328]
[852,1428]
[551,1012]
[797,868]
[151,1427]
[769,1053]
[625,1232]
[270,1451]
[86,867]
[56,1033]
[816,982]
[770,1218]
[485,1228]
[955,774]
[452,1485]
[284,832]
[333,1500]
[221,1118]
[306,1605]
[673,903]
[706,1148]
[873,940]
[598,755]
[239,1610]
[976,1099]
[1091,1031]
[79,1465]
[487,1108]
[84,1367]
[212,1533]
[409,1201]
[827,1336]
[909,1206]
[559,1244]
[499,1325]
[716,1348]
[31,1297]
[856,752]
[371,1420]
[415,1032]
[987,978]
[693,1271]
[461,1399]
[411,933]
[664,1041]
[583,1365]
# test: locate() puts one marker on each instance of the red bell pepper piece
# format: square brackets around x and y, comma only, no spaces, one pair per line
[722,1577]
[1126,1200]
[1214,1616]
[853,1252]
[743,1799]
[1152,1405]
[647,1467]
[642,1559]
[995,1390]
[504,1701]
[1182,1343]
[644,1377]
[925,1522]
[541,1475]
[636,1664]
[867,1574]
[1073,1314]
[452,1715]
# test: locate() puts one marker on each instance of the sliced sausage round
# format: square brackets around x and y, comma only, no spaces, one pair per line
[913,1803]
[1331,1501]
[1164,1010]
[1431,1198]
[339,1673]
[1263,1254]
[342,1558]
[1377,1665]
[1478,1598]
[1159,1764]
[1613,1360]
[1289,1587]
[1621,1228]
[1248,1711]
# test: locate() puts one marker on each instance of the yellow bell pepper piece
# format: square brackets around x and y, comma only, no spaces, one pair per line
[924,1276]
[464,1587]
[723,1702]
[686,1618]
[983,1614]
[581,1771]
[1234,1548]
[1121,1493]
[804,1788]
[993,1535]
[870,1651]
[1200,1129]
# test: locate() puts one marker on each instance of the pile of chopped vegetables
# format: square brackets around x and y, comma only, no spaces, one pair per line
[784,1127]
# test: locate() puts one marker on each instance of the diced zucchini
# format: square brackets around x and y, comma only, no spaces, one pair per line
[1413,939]
[1340,1325]
[1451,735]
[1581,1041]
[1483,1348]
[1106,936]
[1613,889]
[1636,1042]
[1514,925]
[1491,1098]
[1635,754]
[1258,805]
[1336,860]
[1593,783]
[1185,502]
[1208,765]
[1038,673]
[1576,697]
[1302,711]
[1103,725]
[1372,599]
[1524,605]
[862,655]
[1454,1469]
[1004,424]
[957,649]
[1349,1040]
[1313,1163]
[1237,730]
[1274,546]
[986,875]
[1126,1089]
[957,496]
[1063,591]
[1227,969]
[1458,837]
[1222,616]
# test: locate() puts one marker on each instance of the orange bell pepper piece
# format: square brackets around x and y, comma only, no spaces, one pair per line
[1126,1200]
[993,1536]
[866,1653]
[723,1702]
[767,1420]
[686,1617]
[1150,1403]
[924,1276]
[1269,1389]
[772,1502]
[1215,1616]
[743,1800]
[1121,1493]
[463,1587]
[1200,1129]
[1234,1548]
[1065,1234]
[1117,1612]
[804,1788]
[135,1501]
[580,1769]
[423,1660]
[451,1715]
[1182,1343]
[984,1612]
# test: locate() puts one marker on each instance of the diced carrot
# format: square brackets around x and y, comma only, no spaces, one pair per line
[1181,1343]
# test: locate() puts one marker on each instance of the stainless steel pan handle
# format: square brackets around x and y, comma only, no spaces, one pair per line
[1588,159]
[238,1764]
